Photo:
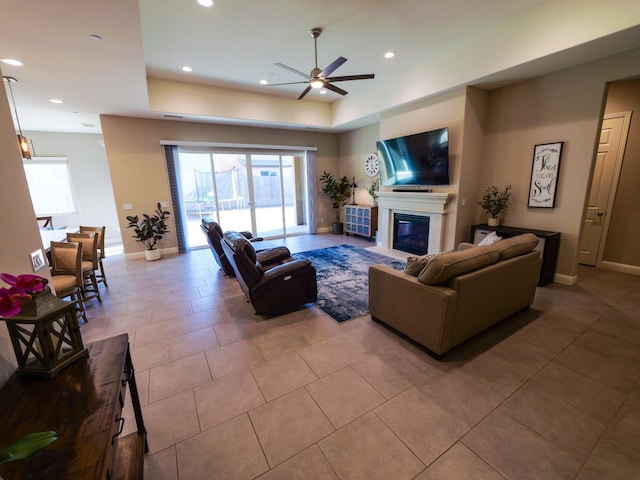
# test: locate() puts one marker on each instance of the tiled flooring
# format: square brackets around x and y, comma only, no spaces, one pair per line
[551,393]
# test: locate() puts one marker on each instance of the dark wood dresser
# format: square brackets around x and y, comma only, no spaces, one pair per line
[549,245]
[83,404]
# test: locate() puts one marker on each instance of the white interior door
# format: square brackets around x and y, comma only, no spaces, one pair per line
[608,161]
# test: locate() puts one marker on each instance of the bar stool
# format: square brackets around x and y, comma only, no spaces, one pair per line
[99,231]
[89,263]
[66,273]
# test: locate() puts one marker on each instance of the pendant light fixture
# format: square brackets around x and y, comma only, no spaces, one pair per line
[23,143]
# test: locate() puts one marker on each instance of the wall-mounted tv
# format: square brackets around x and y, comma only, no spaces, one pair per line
[419,159]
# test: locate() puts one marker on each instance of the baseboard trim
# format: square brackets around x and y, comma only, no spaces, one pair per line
[621,267]
[565,279]
[163,251]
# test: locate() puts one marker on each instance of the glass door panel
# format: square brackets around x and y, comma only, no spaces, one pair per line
[231,190]
[196,188]
[266,173]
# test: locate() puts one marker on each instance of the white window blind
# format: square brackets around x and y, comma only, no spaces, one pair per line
[51,186]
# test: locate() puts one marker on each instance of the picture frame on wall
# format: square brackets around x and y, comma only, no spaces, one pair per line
[37,260]
[544,175]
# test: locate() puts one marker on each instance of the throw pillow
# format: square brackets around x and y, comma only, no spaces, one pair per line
[416,264]
[490,239]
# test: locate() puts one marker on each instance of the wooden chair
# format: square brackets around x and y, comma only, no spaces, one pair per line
[66,273]
[99,231]
[89,263]
[48,222]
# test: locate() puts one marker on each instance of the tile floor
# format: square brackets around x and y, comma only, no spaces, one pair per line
[551,393]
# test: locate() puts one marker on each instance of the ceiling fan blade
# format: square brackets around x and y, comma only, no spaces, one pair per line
[333,66]
[306,90]
[286,83]
[333,88]
[350,77]
[293,70]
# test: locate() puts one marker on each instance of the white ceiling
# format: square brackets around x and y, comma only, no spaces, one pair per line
[235,43]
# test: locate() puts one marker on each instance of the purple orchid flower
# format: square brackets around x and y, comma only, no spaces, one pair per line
[21,288]
[10,302]
[25,283]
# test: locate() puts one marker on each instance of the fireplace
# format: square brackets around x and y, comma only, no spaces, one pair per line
[411,233]
[420,204]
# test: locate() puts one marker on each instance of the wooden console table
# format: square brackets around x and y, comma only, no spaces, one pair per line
[549,246]
[83,404]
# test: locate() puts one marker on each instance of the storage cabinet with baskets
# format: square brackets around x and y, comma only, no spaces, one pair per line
[361,220]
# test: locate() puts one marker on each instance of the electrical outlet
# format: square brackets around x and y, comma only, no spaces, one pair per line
[127,206]
[164,204]
[464,202]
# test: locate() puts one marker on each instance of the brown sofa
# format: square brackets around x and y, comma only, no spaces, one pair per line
[272,281]
[458,294]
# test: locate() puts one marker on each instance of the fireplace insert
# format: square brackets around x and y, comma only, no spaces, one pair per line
[411,233]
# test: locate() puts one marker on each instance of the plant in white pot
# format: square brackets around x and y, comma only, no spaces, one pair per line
[150,230]
[373,191]
[494,202]
[339,192]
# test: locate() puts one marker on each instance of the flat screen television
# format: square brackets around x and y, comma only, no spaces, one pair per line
[419,159]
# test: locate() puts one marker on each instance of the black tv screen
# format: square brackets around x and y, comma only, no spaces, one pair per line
[419,159]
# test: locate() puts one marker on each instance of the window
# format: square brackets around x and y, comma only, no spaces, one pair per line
[50,185]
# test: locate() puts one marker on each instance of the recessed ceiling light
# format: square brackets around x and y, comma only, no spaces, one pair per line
[263,82]
[187,68]
[323,92]
[389,54]
[206,3]
[55,100]
[11,61]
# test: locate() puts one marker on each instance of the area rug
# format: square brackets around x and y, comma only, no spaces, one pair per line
[343,274]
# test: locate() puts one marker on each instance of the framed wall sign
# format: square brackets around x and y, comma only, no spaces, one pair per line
[544,175]
[37,260]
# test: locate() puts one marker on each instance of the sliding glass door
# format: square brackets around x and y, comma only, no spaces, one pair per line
[263,192]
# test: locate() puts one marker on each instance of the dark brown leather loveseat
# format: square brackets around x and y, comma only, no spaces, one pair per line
[273,282]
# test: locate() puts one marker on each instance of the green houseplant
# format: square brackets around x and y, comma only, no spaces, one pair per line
[494,202]
[339,192]
[373,190]
[149,230]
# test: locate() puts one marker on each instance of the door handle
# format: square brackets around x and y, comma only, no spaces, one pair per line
[600,214]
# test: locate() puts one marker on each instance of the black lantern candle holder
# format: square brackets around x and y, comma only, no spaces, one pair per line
[45,335]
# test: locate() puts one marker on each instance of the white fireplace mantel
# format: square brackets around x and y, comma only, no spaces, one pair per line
[428,204]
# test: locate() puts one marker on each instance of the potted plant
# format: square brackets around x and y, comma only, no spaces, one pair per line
[150,230]
[338,191]
[373,191]
[494,202]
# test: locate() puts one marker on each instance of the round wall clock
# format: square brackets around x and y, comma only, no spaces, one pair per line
[372,165]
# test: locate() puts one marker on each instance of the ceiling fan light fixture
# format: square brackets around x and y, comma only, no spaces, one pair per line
[12,61]
[317,83]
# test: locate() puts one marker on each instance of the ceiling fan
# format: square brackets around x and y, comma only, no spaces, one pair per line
[320,78]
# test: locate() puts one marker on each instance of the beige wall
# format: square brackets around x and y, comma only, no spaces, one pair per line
[623,237]
[20,234]
[138,171]
[492,140]
[354,147]
[462,112]
[566,106]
